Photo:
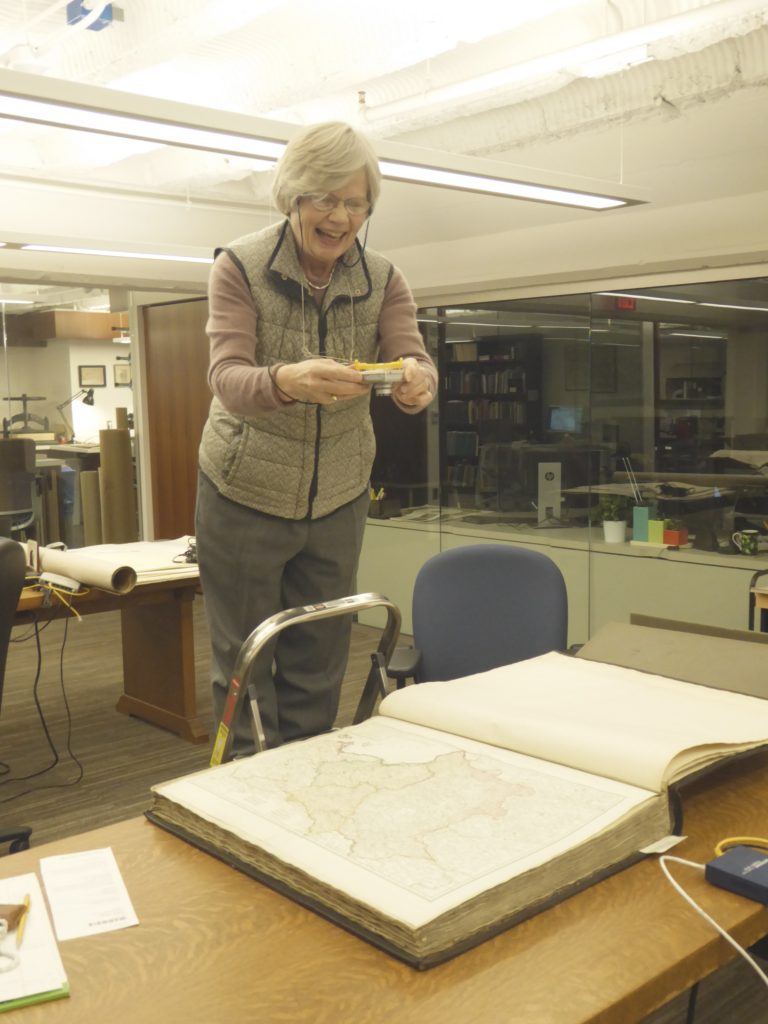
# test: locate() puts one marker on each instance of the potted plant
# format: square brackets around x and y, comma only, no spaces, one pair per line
[613,509]
[675,533]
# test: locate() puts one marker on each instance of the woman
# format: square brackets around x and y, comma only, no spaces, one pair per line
[286,454]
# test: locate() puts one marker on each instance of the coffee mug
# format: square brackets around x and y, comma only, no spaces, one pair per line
[746,541]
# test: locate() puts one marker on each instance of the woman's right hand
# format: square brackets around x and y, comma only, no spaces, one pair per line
[323,381]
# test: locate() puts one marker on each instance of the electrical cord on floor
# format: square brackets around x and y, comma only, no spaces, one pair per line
[667,858]
[5,769]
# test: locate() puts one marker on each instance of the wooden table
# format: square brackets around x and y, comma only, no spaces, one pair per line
[216,947]
[158,648]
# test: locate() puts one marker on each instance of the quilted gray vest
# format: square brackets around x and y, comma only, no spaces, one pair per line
[299,460]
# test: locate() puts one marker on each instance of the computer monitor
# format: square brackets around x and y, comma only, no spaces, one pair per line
[565,419]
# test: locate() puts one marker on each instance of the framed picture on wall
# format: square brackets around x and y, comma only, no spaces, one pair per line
[92,376]
[122,375]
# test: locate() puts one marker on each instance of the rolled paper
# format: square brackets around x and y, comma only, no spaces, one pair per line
[78,564]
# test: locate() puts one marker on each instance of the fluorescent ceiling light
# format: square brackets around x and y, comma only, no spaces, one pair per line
[725,305]
[425,175]
[693,334]
[126,127]
[611,63]
[61,104]
[651,298]
[72,250]
[686,302]
[470,323]
[16,302]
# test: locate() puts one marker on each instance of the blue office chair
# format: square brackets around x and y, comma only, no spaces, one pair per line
[481,606]
[12,573]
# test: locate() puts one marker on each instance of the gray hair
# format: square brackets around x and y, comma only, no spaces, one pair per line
[321,158]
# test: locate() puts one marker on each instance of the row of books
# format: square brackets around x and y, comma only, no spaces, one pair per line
[510,381]
[472,352]
[462,352]
[461,474]
[480,410]
[461,442]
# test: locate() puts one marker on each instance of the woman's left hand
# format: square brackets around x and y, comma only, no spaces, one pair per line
[414,389]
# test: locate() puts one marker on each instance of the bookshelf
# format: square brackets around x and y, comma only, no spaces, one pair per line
[490,397]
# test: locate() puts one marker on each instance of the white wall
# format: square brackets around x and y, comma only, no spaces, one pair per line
[88,420]
[37,372]
[51,371]
[637,245]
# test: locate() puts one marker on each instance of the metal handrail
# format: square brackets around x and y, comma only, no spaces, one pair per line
[376,684]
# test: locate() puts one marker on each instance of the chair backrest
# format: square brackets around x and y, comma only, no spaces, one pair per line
[485,605]
[17,484]
[12,572]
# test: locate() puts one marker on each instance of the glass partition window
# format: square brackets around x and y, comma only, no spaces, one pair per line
[517,427]
[550,407]
[66,375]
[624,434]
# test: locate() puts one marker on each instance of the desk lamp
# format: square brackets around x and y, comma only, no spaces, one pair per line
[84,394]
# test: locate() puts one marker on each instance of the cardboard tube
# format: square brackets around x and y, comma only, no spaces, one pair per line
[91,505]
[119,511]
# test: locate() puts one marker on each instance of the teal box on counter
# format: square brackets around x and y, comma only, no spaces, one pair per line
[641,516]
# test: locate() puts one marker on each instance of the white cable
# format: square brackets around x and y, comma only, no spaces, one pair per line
[711,921]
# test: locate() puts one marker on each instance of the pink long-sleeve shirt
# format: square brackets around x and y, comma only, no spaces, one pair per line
[243,386]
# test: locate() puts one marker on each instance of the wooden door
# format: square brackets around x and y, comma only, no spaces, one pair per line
[178,397]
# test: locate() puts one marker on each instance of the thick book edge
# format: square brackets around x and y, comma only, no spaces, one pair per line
[423,961]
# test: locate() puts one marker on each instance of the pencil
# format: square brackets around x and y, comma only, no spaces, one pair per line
[22,921]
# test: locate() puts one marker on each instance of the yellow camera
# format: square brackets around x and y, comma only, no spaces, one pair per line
[381,375]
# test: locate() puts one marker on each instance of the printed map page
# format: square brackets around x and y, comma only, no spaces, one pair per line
[421,812]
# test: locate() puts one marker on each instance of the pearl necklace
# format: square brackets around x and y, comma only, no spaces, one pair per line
[318,287]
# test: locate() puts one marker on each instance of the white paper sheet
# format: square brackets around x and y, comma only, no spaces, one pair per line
[86,893]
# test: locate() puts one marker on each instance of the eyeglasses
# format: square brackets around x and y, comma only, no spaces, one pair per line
[324,202]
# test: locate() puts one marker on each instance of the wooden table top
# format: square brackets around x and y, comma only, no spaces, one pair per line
[215,946]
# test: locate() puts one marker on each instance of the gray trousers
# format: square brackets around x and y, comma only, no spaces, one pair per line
[254,565]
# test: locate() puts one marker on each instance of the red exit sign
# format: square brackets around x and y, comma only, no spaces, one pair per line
[625,303]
